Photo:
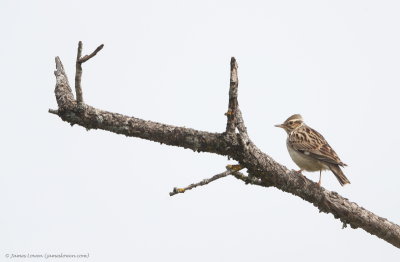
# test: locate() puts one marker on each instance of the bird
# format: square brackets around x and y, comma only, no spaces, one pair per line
[310,151]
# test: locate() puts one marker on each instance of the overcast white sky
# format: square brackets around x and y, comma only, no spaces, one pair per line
[66,190]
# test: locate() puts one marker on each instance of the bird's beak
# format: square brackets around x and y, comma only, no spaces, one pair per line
[281,125]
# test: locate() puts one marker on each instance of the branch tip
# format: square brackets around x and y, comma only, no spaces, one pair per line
[177,191]
[234,63]
[233,101]
[80,46]
[87,57]
[53,111]
[59,66]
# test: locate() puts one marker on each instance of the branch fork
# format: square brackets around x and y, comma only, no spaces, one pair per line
[234,143]
[78,73]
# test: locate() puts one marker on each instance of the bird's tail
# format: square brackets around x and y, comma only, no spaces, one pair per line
[339,174]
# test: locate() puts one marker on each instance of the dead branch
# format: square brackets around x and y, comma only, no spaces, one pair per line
[230,170]
[262,169]
[78,74]
[202,182]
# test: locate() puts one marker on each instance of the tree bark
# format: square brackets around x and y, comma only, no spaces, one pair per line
[234,143]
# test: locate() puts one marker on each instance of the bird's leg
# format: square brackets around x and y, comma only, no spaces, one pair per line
[319,182]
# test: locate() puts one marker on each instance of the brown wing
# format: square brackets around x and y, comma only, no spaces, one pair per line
[311,143]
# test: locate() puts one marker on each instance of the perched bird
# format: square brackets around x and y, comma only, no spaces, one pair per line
[309,149]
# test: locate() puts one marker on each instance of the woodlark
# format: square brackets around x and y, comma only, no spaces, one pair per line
[309,149]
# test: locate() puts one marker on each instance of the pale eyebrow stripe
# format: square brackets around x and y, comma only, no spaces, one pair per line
[295,120]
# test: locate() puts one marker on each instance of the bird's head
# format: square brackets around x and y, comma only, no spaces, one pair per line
[292,123]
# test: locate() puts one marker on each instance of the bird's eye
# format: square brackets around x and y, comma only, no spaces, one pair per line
[290,122]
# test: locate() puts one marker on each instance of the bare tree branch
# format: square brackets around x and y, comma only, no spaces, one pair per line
[87,57]
[53,111]
[202,182]
[78,75]
[230,170]
[234,115]
[262,169]
[233,102]
[78,67]
[248,179]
